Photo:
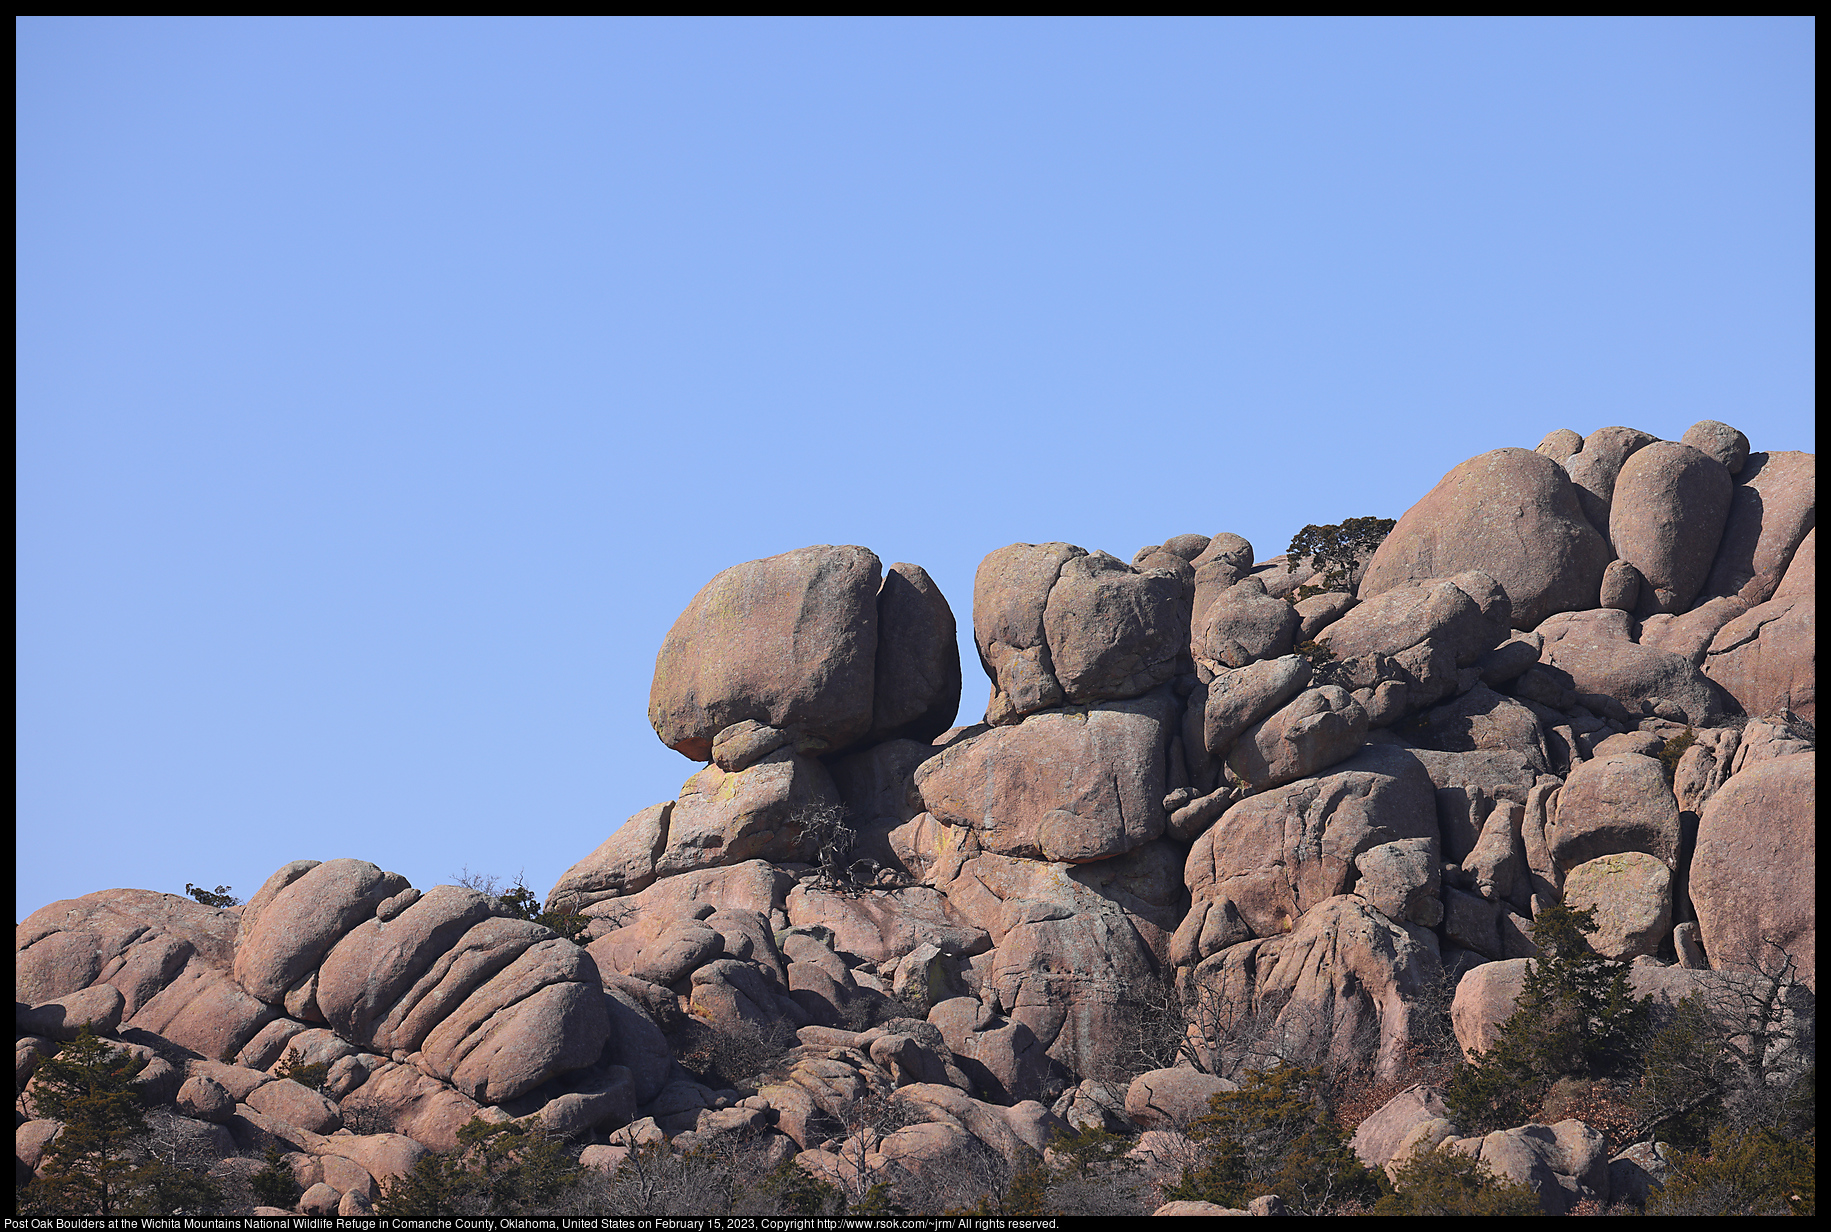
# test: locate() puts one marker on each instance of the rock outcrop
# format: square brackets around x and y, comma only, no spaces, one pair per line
[1218,813]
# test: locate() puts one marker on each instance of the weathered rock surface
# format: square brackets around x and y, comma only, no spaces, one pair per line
[1774,506]
[1597,653]
[1752,879]
[1113,632]
[1074,785]
[1010,592]
[916,675]
[1612,805]
[789,641]
[1512,514]
[722,819]
[1595,468]
[1669,508]
[1342,983]
[1767,658]
[1276,856]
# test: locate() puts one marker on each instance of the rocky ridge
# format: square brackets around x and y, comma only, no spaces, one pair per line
[1300,807]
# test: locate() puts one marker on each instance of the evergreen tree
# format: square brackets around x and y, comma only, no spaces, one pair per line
[93,1166]
[92,1088]
[1576,1016]
[1278,1135]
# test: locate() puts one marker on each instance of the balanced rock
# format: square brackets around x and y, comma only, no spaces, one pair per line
[789,641]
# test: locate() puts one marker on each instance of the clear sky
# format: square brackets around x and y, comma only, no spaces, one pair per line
[387,387]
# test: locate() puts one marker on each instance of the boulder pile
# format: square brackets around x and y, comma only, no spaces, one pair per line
[1578,674]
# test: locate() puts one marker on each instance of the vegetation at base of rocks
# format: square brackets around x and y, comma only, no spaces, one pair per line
[293,1067]
[98,1163]
[1316,653]
[275,1184]
[523,904]
[1451,1183]
[1673,749]
[1743,1172]
[513,1168]
[1276,1134]
[1334,551]
[219,897]
[1738,1056]
[1575,1016]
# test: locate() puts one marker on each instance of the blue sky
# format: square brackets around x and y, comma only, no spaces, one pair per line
[387,387]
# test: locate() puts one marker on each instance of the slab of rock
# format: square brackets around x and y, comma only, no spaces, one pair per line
[1768,658]
[754,885]
[97,1008]
[1225,560]
[1460,614]
[287,1101]
[1753,875]
[1234,700]
[1467,784]
[1484,719]
[755,814]
[540,1016]
[1565,1164]
[916,682]
[789,641]
[1010,592]
[882,926]
[1377,1140]
[1597,652]
[1172,1098]
[1690,635]
[1315,730]
[1243,625]
[1485,997]
[624,863]
[1065,952]
[1113,632]
[1512,514]
[1344,982]
[364,978]
[1670,504]
[1631,894]
[1278,854]
[135,940]
[1774,506]
[1612,805]
[1075,785]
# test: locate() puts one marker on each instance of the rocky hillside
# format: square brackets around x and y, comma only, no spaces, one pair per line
[1222,813]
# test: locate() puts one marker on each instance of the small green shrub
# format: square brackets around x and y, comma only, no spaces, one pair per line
[274,1184]
[514,1168]
[292,1066]
[1276,1134]
[1751,1172]
[1451,1183]
[1672,750]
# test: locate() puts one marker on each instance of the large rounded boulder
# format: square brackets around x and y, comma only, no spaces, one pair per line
[1511,514]
[789,641]
[1666,520]
[1753,879]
